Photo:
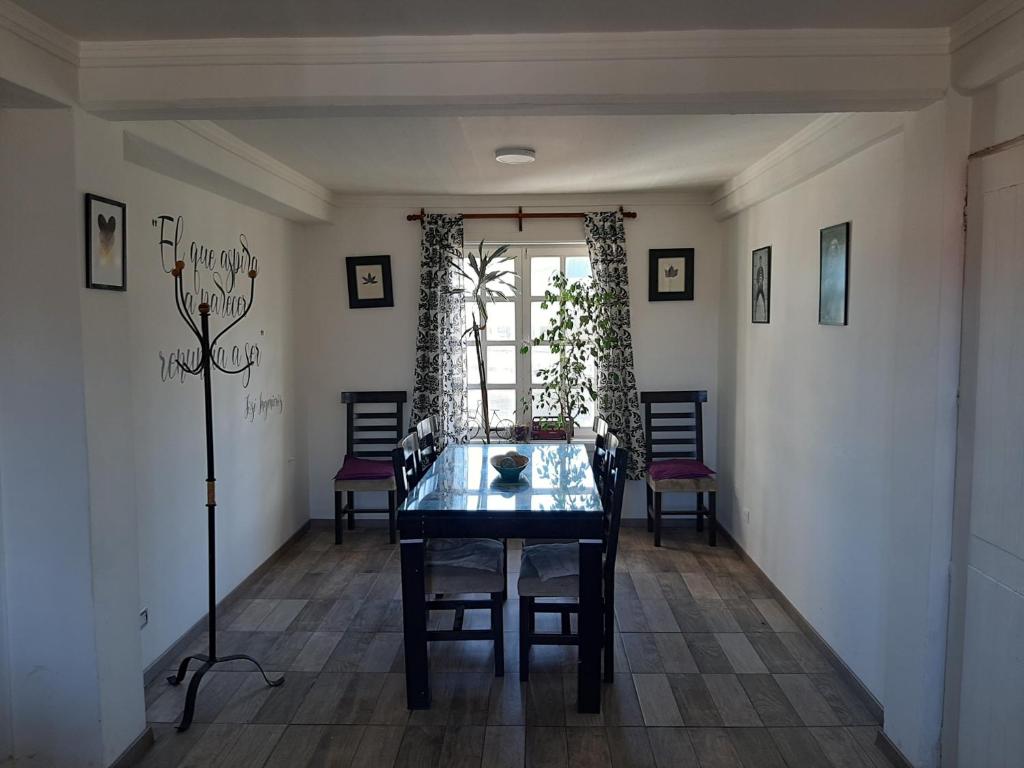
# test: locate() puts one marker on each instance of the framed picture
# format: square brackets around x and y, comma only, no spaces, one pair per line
[106,248]
[761,285]
[369,282]
[670,274]
[834,286]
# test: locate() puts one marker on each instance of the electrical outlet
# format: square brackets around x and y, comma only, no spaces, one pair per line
[143,617]
[746,514]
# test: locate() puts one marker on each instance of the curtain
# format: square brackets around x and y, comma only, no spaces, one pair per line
[439,387]
[617,399]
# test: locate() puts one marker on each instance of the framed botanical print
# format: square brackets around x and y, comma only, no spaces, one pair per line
[834,285]
[761,285]
[670,274]
[369,282]
[106,247]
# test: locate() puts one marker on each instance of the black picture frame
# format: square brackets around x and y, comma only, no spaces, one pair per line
[98,274]
[834,275]
[676,258]
[761,285]
[360,270]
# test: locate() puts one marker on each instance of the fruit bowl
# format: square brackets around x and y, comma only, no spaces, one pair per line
[509,465]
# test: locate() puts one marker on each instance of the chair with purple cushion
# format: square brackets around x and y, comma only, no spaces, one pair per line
[374,425]
[674,426]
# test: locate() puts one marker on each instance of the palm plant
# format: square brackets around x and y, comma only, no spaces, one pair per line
[485,278]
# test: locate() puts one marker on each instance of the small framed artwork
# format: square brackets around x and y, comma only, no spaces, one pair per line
[670,274]
[761,285]
[834,285]
[106,248]
[369,282]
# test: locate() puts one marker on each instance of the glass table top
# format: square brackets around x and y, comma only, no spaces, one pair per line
[557,479]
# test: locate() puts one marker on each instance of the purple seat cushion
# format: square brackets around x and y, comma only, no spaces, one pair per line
[355,468]
[678,469]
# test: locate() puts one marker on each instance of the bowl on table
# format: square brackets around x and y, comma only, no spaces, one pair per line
[509,465]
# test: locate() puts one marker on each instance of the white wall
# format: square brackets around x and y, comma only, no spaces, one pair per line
[101,461]
[837,443]
[156,425]
[675,343]
[805,408]
[44,473]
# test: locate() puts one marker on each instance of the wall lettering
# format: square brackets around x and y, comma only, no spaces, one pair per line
[218,278]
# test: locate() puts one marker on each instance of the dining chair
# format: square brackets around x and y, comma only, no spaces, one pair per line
[427,433]
[597,460]
[374,424]
[674,425]
[559,563]
[457,567]
[598,467]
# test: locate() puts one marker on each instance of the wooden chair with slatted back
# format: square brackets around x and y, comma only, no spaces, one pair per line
[597,460]
[374,425]
[565,589]
[457,567]
[426,433]
[674,426]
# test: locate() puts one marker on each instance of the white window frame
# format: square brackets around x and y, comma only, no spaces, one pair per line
[524,300]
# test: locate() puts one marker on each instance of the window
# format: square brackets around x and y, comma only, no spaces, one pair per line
[511,376]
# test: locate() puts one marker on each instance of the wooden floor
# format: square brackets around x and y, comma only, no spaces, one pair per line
[710,672]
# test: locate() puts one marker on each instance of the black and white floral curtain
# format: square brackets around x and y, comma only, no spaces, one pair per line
[439,388]
[617,399]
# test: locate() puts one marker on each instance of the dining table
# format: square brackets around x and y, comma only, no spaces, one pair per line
[462,496]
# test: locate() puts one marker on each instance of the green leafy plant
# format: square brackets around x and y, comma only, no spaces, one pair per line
[485,278]
[577,334]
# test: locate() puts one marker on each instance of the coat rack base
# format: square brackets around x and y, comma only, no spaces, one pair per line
[193,685]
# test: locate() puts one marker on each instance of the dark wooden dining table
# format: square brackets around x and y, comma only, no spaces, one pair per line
[462,496]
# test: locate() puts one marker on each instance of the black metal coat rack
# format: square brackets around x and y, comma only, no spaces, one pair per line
[205,368]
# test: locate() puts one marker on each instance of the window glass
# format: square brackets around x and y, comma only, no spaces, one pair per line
[501,365]
[542,269]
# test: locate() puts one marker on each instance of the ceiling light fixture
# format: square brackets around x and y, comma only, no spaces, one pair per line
[515,155]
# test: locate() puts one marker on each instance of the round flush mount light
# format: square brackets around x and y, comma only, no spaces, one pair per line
[515,155]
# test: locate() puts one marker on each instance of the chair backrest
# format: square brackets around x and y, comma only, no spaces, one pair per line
[615,484]
[597,460]
[426,431]
[374,422]
[405,460]
[674,424]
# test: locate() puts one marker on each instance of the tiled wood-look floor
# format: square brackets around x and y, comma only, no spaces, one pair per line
[710,672]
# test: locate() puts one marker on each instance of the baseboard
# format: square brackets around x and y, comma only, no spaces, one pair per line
[847,674]
[133,754]
[171,656]
[891,751]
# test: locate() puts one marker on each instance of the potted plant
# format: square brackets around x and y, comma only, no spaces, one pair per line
[487,279]
[577,333]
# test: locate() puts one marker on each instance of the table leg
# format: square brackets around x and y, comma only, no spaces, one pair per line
[414,623]
[591,627]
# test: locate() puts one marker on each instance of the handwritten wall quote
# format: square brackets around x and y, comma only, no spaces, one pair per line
[212,277]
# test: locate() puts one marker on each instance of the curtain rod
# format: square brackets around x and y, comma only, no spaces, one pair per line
[520,215]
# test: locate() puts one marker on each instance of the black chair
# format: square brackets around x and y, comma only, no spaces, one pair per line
[447,572]
[598,459]
[566,589]
[674,426]
[374,424]
[426,432]
[597,464]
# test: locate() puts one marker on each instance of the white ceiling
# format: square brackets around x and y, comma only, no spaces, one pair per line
[575,154]
[163,19]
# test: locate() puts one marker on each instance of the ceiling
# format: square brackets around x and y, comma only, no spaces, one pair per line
[164,19]
[575,154]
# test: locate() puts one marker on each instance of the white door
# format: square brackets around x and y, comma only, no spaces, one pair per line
[988,573]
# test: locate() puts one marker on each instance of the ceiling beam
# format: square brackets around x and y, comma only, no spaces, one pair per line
[666,72]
